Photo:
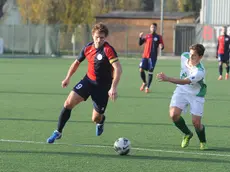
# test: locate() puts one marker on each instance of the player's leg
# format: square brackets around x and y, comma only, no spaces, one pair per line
[197,107]
[142,67]
[227,69]
[76,96]
[220,59]
[151,66]
[177,105]
[100,100]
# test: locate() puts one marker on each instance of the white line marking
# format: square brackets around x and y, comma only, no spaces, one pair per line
[134,148]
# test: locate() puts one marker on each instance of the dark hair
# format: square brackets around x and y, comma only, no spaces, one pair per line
[199,48]
[154,24]
[101,28]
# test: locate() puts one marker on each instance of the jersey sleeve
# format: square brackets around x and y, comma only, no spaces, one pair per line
[81,55]
[111,54]
[197,76]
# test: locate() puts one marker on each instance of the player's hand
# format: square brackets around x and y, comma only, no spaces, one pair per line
[112,94]
[162,77]
[141,34]
[65,83]
[161,46]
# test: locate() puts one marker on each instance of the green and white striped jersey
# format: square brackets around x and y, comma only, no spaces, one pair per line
[195,74]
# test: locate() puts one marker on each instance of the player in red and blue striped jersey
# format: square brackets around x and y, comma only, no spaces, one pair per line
[152,42]
[223,50]
[100,82]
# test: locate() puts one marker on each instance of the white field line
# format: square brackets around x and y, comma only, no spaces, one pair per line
[134,148]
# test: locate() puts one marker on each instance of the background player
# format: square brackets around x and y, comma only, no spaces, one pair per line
[190,90]
[223,50]
[149,58]
[100,82]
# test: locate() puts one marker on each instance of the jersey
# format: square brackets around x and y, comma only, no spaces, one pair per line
[223,45]
[195,74]
[100,62]
[152,42]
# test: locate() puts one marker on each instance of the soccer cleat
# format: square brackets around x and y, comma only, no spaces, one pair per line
[100,127]
[220,77]
[186,139]
[142,87]
[54,136]
[147,90]
[226,76]
[203,146]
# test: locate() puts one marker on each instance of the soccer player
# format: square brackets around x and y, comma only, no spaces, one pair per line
[100,82]
[149,58]
[223,50]
[190,90]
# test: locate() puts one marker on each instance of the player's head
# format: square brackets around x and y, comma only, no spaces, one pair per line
[196,51]
[223,30]
[153,27]
[99,33]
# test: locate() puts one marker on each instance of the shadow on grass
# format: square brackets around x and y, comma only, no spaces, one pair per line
[107,122]
[138,157]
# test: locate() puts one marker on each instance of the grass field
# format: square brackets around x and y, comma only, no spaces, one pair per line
[31,98]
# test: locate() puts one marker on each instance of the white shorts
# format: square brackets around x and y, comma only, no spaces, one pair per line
[182,101]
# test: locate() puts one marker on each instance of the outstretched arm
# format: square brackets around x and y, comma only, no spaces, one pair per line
[163,78]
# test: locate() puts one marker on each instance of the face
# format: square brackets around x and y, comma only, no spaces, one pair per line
[153,28]
[194,56]
[98,39]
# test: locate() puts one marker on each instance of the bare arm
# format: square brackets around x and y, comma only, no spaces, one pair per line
[71,71]
[116,78]
[117,73]
[162,77]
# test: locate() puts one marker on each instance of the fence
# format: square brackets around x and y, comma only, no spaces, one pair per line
[58,39]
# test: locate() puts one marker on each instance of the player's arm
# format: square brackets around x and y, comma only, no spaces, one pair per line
[161,43]
[163,78]
[116,73]
[141,39]
[72,69]
[196,77]
[217,47]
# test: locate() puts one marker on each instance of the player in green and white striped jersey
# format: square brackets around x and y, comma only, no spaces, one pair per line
[190,90]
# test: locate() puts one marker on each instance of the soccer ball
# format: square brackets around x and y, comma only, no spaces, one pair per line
[122,146]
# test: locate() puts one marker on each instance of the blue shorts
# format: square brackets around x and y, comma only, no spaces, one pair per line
[98,93]
[147,63]
[223,58]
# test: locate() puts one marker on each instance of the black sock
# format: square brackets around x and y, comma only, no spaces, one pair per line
[150,78]
[63,118]
[180,124]
[220,69]
[227,69]
[143,76]
[201,135]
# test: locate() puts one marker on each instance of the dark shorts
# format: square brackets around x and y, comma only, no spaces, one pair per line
[98,93]
[148,64]
[223,58]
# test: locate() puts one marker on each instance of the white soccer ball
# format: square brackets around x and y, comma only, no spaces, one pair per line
[122,146]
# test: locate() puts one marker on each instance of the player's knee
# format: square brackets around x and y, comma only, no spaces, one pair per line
[174,115]
[68,104]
